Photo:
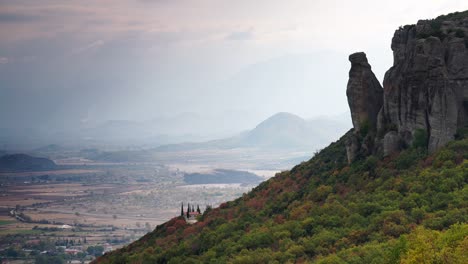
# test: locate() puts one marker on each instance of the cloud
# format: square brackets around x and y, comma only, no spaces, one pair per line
[92,45]
[17,18]
[3,60]
[241,35]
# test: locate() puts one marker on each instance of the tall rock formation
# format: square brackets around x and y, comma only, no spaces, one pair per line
[425,92]
[365,99]
[364,93]
[427,86]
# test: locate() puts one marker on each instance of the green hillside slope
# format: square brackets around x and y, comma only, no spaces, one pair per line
[407,208]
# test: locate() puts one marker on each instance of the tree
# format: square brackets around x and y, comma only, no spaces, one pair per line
[182,209]
[420,138]
[49,259]
[198,209]
[13,252]
[95,250]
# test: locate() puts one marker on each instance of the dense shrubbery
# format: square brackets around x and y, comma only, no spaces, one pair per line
[400,209]
[452,16]
[436,26]
[420,138]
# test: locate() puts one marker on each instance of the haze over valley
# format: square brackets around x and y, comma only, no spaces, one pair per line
[231,132]
[112,183]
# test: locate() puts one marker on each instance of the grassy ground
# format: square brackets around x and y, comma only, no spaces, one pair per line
[6,222]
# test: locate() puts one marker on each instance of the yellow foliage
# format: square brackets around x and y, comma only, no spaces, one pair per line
[430,246]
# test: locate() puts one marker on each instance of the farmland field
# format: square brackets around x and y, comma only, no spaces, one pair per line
[107,205]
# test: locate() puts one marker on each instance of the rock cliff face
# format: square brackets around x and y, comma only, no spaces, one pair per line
[425,92]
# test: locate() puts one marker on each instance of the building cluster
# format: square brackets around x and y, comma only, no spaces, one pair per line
[190,213]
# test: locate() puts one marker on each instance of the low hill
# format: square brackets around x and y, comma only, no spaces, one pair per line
[23,162]
[282,130]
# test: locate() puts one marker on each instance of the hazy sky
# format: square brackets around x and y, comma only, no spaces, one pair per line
[63,62]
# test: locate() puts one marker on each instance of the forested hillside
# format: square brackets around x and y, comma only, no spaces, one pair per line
[405,208]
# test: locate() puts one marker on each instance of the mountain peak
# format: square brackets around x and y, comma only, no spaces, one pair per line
[282,130]
[282,118]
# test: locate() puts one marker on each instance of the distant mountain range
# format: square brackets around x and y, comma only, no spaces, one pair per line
[282,131]
[284,134]
[118,134]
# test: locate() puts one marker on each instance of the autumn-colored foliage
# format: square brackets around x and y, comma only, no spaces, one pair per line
[407,208]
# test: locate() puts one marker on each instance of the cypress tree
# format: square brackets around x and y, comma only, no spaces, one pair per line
[182,210]
[198,209]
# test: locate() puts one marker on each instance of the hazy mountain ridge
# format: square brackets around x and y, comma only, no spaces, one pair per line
[283,134]
[86,127]
[117,133]
[280,131]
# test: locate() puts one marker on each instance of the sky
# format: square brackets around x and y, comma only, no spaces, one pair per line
[69,63]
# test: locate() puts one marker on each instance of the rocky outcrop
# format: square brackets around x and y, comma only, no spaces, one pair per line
[426,89]
[426,86]
[365,99]
[364,93]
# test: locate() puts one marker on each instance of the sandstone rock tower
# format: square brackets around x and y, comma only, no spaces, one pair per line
[424,93]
